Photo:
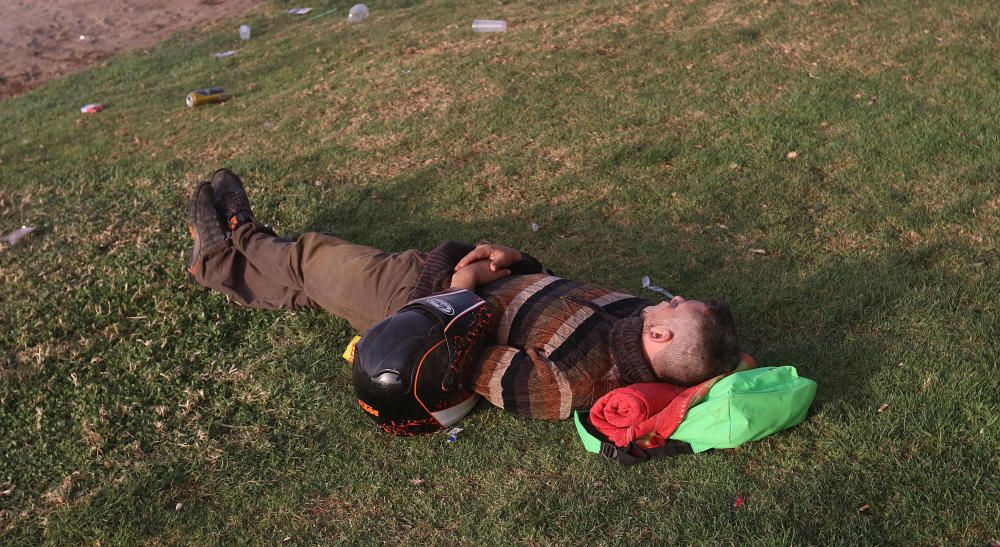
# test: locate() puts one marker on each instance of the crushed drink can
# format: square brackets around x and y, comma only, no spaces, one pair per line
[206,96]
[453,434]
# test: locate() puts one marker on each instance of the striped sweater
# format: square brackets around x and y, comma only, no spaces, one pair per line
[558,345]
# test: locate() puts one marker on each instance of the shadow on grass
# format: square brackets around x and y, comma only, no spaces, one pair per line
[826,319]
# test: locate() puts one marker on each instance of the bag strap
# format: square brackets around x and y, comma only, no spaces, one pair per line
[629,455]
[632,454]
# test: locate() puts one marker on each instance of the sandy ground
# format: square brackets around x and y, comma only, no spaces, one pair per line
[43,39]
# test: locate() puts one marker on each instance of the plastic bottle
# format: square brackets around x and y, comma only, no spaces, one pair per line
[488,25]
[357,14]
[244,32]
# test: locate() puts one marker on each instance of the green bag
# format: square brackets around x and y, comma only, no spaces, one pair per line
[744,406]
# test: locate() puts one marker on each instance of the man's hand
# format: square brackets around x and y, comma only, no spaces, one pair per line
[499,257]
[477,273]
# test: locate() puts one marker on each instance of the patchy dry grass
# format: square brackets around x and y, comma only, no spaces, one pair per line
[828,167]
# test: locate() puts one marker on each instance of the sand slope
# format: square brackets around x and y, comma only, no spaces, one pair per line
[43,39]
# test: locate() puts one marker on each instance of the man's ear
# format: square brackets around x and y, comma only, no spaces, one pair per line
[660,333]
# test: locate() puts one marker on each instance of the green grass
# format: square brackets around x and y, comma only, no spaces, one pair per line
[643,138]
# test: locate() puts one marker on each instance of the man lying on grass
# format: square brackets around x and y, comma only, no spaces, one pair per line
[554,346]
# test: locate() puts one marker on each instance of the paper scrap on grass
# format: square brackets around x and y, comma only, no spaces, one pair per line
[224,54]
[299,11]
[16,235]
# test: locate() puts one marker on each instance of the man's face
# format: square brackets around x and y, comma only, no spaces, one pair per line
[679,315]
[671,326]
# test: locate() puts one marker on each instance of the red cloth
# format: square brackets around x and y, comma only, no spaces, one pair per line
[649,413]
[619,413]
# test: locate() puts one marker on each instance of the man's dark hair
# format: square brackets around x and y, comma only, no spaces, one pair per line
[718,329]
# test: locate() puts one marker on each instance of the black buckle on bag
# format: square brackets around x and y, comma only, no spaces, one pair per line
[623,455]
[631,454]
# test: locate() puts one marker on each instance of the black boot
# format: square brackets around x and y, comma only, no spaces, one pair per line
[231,199]
[204,224]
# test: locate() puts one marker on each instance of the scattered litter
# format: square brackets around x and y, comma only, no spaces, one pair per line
[489,25]
[327,12]
[16,235]
[738,502]
[224,54]
[206,96]
[759,251]
[453,434]
[92,108]
[83,37]
[792,155]
[244,32]
[647,284]
[299,11]
[882,408]
[417,481]
[534,227]
[357,14]
[864,509]
[179,506]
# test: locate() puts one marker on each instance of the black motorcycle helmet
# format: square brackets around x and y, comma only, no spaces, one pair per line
[411,369]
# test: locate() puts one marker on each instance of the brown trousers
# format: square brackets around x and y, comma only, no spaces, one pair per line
[360,284]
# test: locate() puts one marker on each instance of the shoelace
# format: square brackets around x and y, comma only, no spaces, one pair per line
[236,203]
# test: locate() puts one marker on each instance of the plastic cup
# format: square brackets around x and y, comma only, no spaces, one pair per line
[244,32]
[357,14]
[488,25]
